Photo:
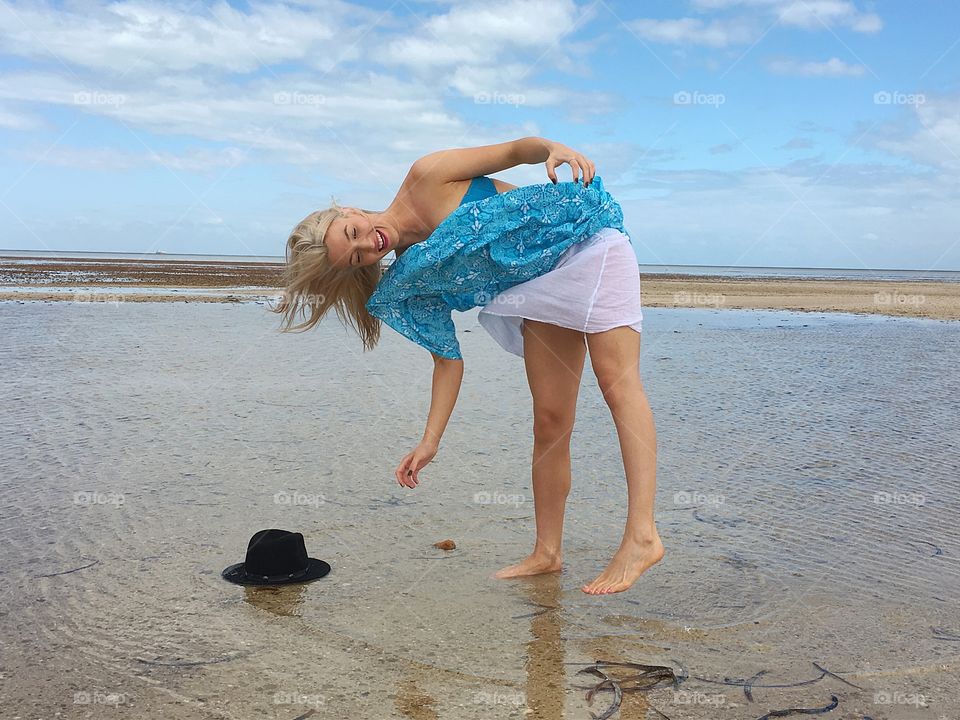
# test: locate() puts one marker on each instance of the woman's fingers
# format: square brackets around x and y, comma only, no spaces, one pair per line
[589,172]
[575,166]
[407,472]
[551,170]
[401,471]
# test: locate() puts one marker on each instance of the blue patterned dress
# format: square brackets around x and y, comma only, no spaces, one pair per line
[482,248]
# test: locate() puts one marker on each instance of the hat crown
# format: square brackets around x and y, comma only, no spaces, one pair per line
[276,552]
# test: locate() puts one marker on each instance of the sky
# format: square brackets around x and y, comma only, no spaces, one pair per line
[799,133]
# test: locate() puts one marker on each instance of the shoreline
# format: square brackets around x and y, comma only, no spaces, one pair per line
[158,280]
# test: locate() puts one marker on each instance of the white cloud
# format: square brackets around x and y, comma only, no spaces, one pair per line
[834,67]
[693,31]
[788,215]
[199,160]
[12,120]
[476,34]
[139,36]
[797,143]
[933,139]
[815,14]
[744,21]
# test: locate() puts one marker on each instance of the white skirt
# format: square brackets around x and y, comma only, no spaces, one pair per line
[595,286]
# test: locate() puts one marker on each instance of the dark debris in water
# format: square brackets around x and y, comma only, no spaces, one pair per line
[941,634]
[67,572]
[653,676]
[834,701]
[191,663]
[937,550]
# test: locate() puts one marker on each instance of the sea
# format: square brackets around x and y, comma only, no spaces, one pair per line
[742,271]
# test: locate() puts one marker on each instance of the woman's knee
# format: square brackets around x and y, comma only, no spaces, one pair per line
[619,384]
[552,424]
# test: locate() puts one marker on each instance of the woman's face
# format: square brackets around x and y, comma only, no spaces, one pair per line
[354,240]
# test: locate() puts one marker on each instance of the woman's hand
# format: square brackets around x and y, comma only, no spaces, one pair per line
[580,164]
[411,464]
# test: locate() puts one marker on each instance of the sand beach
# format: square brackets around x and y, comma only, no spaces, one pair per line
[807,499]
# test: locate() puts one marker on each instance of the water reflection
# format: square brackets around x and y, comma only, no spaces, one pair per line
[545,673]
[283,600]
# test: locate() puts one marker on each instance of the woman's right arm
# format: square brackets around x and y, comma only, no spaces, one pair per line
[447,378]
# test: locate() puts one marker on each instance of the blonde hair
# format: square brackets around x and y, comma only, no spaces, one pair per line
[312,286]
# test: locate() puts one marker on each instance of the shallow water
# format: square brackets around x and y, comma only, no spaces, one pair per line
[807,498]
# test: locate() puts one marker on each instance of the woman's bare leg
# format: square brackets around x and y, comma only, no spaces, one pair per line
[615,357]
[554,358]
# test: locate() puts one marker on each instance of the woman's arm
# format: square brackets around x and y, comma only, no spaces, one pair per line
[447,378]
[466,163]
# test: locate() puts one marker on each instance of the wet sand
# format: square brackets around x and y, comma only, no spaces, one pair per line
[123,280]
[807,499]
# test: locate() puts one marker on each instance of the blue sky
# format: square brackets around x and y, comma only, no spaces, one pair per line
[817,133]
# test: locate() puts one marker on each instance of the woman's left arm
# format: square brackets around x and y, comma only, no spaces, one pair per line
[466,163]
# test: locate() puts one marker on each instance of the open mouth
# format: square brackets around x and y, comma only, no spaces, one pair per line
[381,240]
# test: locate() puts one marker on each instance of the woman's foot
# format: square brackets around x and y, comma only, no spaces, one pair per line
[631,561]
[531,565]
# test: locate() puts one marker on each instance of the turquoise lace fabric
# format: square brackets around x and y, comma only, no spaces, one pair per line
[483,248]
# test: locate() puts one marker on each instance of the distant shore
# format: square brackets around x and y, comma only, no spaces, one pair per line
[69,279]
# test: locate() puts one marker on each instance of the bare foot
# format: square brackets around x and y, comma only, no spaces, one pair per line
[531,565]
[630,562]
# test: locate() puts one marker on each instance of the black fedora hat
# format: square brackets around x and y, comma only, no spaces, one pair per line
[276,557]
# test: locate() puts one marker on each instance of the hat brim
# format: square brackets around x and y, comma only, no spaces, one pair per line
[237,574]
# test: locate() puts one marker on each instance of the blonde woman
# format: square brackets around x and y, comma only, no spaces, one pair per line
[555,275]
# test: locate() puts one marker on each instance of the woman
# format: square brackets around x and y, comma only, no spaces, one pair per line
[556,275]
